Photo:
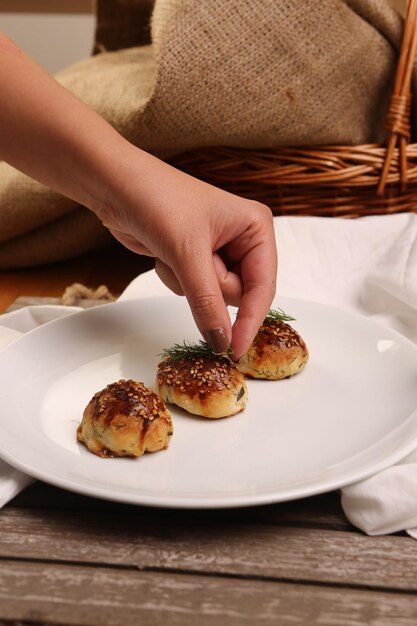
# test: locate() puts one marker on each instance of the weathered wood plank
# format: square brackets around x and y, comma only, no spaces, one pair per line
[195,545]
[322,511]
[76,595]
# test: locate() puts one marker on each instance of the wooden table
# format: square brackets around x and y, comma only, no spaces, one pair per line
[114,267]
[68,559]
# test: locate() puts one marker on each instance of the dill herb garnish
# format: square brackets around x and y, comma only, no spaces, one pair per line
[186,350]
[278,315]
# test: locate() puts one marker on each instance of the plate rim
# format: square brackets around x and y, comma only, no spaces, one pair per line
[229,501]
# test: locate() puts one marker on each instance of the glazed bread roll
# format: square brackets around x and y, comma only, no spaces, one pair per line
[277,352]
[202,383]
[125,419]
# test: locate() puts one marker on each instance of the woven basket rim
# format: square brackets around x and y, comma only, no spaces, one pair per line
[346,180]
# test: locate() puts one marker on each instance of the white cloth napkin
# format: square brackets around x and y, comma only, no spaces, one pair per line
[368,265]
[14,325]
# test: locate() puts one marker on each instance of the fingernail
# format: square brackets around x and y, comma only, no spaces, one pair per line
[218,340]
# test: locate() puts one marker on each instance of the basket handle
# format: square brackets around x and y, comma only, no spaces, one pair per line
[398,118]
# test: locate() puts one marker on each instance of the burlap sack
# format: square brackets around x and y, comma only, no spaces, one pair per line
[253,73]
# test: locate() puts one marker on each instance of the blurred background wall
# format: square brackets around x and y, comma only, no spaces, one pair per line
[56,33]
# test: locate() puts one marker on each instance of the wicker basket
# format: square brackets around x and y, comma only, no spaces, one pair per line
[344,181]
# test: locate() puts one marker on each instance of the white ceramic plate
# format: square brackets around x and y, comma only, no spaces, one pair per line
[350,413]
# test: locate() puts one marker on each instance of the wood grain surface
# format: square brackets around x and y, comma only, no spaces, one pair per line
[216,547]
[79,595]
[115,267]
[70,559]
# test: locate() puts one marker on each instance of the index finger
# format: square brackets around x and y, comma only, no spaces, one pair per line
[259,274]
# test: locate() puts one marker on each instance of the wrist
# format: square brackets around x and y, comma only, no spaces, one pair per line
[125,176]
[103,172]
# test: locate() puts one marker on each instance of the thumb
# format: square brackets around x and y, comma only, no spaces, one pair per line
[197,277]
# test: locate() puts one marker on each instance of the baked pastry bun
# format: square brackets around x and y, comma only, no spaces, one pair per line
[277,351]
[202,383]
[125,419]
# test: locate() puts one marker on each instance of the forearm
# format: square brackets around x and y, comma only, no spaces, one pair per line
[52,136]
[190,227]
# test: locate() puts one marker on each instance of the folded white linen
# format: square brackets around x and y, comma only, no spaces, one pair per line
[7,335]
[368,265]
[14,325]
[11,482]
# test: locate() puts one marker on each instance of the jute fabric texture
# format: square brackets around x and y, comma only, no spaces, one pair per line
[249,73]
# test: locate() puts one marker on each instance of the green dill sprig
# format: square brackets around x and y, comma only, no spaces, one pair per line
[186,350]
[278,315]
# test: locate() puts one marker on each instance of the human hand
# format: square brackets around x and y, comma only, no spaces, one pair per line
[211,246]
